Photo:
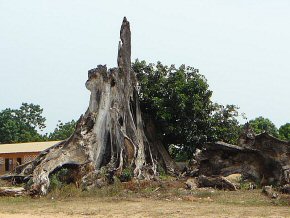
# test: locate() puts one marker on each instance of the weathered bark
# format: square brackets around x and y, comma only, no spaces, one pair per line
[261,158]
[269,191]
[110,136]
[12,191]
[191,183]
[285,189]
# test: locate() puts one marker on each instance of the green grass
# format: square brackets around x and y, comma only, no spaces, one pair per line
[248,198]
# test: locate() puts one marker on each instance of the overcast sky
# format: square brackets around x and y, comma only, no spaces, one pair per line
[242,47]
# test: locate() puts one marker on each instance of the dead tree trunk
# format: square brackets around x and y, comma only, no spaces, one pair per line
[110,135]
[261,158]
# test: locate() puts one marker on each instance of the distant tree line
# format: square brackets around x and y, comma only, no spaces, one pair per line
[26,123]
[176,99]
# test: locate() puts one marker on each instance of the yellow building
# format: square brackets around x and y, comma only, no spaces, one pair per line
[12,155]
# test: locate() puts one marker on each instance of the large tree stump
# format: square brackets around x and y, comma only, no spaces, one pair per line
[111,135]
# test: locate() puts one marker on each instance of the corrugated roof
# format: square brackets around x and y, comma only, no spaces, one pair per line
[26,147]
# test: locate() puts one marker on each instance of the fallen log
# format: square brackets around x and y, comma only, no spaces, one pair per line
[216,182]
[261,158]
[12,191]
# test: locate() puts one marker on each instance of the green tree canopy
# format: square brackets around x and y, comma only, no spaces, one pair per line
[261,124]
[179,102]
[225,126]
[63,130]
[21,125]
[284,132]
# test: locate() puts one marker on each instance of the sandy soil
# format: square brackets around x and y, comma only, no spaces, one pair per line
[136,207]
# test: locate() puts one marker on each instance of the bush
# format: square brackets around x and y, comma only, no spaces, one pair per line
[59,179]
[127,174]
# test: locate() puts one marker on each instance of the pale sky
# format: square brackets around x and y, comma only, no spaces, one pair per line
[242,47]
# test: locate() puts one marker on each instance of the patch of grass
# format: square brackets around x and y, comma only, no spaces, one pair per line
[150,189]
[206,193]
[64,191]
[284,201]
[113,190]
[160,170]
[4,183]
[162,173]
[13,200]
[71,191]
[247,185]
[165,176]
[244,198]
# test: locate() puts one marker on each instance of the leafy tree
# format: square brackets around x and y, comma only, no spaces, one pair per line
[179,102]
[31,115]
[284,132]
[261,124]
[21,125]
[63,130]
[225,126]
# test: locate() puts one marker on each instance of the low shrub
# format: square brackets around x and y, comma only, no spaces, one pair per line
[127,175]
[59,178]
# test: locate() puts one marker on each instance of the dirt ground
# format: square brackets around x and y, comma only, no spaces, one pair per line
[224,204]
[141,207]
[165,199]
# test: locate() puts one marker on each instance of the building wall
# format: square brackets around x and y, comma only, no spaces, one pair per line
[11,160]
